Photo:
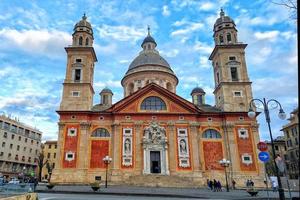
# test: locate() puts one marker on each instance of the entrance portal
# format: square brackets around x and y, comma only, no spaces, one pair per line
[155,162]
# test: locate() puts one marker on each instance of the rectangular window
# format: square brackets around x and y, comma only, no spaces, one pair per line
[21,130]
[11,146]
[48,156]
[54,155]
[78,60]
[218,78]
[49,146]
[77,76]
[3,144]
[5,135]
[24,149]
[1,154]
[276,147]
[14,128]
[30,150]
[26,133]
[296,141]
[18,147]
[75,93]
[234,75]
[232,58]
[20,138]
[1,124]
[237,93]
[55,146]
[6,126]
[12,136]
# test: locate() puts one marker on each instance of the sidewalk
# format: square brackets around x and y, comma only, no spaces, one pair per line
[200,193]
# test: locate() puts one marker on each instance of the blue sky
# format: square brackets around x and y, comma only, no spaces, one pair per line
[33,35]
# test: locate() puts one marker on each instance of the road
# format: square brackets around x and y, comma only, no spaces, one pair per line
[53,196]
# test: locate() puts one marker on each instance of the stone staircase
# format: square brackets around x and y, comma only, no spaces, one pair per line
[152,180]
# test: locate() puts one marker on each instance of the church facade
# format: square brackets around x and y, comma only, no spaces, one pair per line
[153,136]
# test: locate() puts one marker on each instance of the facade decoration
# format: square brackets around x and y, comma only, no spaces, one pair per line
[153,135]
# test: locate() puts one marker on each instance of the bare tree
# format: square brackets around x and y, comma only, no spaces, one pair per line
[289,4]
[41,162]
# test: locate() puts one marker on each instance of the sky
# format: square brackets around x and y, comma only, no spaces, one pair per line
[33,35]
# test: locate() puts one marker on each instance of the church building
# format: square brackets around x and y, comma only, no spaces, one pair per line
[153,136]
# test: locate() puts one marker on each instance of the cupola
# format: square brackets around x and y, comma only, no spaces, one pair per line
[83,33]
[198,96]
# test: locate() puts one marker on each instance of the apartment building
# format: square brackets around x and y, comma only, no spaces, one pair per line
[291,133]
[19,147]
[50,152]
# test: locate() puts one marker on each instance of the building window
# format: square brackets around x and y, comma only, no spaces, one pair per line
[21,130]
[5,135]
[78,60]
[20,138]
[228,37]
[55,146]
[243,133]
[87,41]
[54,155]
[1,153]
[11,146]
[3,144]
[30,150]
[211,133]
[218,78]
[80,40]
[237,93]
[234,75]
[72,131]
[241,118]
[276,148]
[31,141]
[24,149]
[153,103]
[70,156]
[26,133]
[247,159]
[77,76]
[221,39]
[18,147]
[181,117]
[48,155]
[75,94]
[12,136]
[100,132]
[127,117]
[49,146]
[287,134]
[296,141]
[232,58]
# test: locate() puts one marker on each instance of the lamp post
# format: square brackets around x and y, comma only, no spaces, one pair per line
[281,115]
[225,163]
[24,168]
[106,161]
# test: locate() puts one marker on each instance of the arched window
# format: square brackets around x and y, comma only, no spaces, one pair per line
[153,103]
[100,132]
[221,39]
[130,88]
[211,133]
[80,40]
[228,37]
[169,86]
[86,41]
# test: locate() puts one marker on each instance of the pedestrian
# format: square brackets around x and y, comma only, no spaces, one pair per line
[211,184]
[215,185]
[251,183]
[233,184]
[35,183]
[219,186]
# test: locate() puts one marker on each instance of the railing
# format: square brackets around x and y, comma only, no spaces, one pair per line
[7,190]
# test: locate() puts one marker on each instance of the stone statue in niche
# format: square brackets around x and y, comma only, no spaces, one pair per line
[182,146]
[154,133]
[127,146]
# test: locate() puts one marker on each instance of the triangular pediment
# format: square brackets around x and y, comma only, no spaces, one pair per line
[174,103]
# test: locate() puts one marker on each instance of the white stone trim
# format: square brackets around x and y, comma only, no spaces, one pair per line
[247,162]
[70,153]
[127,146]
[183,147]
[72,131]
[243,133]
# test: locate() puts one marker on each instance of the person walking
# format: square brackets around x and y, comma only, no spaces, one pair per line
[233,184]
[215,185]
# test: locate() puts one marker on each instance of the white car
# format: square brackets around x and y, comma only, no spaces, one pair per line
[14,181]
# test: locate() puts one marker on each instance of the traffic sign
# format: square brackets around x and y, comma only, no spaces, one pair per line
[264,156]
[262,146]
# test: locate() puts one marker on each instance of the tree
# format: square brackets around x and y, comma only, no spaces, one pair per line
[291,5]
[41,162]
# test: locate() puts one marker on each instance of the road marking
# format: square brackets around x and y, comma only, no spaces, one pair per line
[47,198]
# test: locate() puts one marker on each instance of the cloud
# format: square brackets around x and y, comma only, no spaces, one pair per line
[121,33]
[45,42]
[268,35]
[207,6]
[165,11]
[170,53]
[188,30]
[109,83]
[202,47]
[204,62]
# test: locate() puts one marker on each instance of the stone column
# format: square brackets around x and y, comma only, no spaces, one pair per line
[138,147]
[115,153]
[231,148]
[83,145]
[172,147]
[195,157]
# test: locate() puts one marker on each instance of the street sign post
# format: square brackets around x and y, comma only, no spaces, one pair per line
[262,146]
[264,156]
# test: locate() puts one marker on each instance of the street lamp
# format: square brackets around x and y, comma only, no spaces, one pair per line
[225,163]
[282,116]
[24,168]
[106,161]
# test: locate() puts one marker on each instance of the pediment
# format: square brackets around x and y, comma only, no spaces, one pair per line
[174,103]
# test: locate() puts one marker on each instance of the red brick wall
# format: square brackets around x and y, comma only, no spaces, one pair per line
[70,145]
[99,149]
[213,153]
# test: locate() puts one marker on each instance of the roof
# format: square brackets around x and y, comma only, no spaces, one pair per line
[148,58]
[209,108]
[106,90]
[223,19]
[149,38]
[100,107]
[197,90]
[83,23]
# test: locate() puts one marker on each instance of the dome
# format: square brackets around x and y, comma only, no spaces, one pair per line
[148,39]
[149,58]
[83,23]
[106,90]
[197,90]
[223,19]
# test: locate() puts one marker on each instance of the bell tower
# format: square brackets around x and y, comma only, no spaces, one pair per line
[233,90]
[78,89]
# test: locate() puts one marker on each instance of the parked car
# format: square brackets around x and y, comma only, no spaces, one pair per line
[14,181]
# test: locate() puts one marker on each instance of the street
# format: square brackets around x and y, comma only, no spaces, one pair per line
[52,196]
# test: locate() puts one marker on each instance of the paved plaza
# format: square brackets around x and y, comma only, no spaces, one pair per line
[133,192]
